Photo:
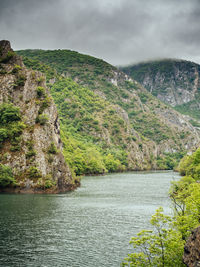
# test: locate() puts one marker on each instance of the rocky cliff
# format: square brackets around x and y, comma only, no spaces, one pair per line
[192,249]
[175,82]
[30,146]
[112,110]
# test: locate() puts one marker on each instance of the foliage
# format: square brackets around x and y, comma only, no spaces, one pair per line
[169,161]
[44,103]
[9,113]
[89,119]
[52,149]
[190,165]
[45,182]
[20,80]
[185,196]
[33,172]
[164,246]
[42,119]
[191,109]
[8,57]
[40,91]
[161,246]
[3,135]
[112,164]
[11,126]
[31,152]
[16,69]
[6,176]
[80,113]
[195,123]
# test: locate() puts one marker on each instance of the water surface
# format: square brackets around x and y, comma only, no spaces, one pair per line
[90,227]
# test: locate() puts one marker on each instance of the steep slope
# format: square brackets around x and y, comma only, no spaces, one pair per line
[31,158]
[175,82]
[149,132]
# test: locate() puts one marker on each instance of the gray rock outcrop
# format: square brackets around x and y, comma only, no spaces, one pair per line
[38,163]
[192,249]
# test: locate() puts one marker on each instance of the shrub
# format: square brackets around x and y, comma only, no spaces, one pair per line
[20,80]
[31,153]
[40,79]
[7,58]
[45,103]
[42,119]
[9,113]
[6,176]
[16,69]
[45,182]
[52,149]
[3,135]
[105,124]
[33,172]
[16,143]
[112,164]
[16,129]
[111,112]
[48,183]
[40,91]
[14,148]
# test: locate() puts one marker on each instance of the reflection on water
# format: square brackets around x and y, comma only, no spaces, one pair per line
[89,227]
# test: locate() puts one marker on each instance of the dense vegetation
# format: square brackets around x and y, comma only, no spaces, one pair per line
[6,176]
[123,114]
[163,245]
[84,116]
[98,75]
[11,126]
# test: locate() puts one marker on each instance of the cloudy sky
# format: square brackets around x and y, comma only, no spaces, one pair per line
[118,31]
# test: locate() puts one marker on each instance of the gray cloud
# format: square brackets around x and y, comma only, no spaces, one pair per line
[118,31]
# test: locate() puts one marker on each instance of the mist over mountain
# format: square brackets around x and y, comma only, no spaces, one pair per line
[175,82]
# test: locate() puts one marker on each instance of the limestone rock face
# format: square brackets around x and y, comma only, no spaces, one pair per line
[37,161]
[5,47]
[192,249]
[174,82]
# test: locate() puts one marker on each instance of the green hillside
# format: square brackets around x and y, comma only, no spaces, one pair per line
[105,112]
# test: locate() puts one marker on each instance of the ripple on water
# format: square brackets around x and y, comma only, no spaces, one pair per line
[89,227]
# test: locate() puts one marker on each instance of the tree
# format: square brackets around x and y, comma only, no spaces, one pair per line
[162,246]
[6,176]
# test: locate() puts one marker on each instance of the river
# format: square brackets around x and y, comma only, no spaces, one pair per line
[90,227]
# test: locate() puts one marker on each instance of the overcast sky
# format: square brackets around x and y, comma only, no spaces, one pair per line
[118,31]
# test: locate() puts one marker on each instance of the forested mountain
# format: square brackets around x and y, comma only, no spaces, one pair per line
[109,121]
[175,82]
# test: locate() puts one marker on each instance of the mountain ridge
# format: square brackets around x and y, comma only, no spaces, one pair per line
[147,117]
[175,82]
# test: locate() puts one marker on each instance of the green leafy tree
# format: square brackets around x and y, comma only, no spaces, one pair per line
[9,113]
[162,246]
[111,163]
[6,176]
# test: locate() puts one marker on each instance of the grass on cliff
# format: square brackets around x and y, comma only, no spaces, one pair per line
[11,126]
